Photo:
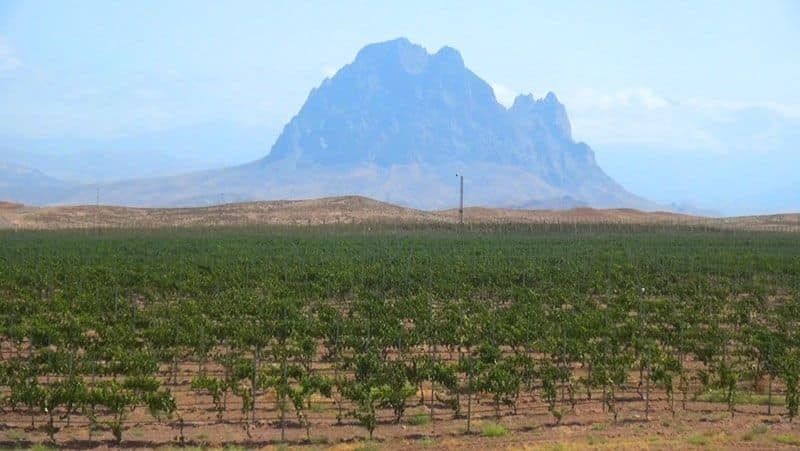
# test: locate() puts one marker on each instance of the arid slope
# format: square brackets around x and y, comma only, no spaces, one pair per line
[348,210]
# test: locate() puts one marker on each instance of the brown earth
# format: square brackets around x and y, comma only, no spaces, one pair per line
[348,210]
[701,425]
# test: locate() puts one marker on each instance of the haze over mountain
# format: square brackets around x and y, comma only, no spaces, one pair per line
[24,184]
[397,124]
[153,154]
[701,111]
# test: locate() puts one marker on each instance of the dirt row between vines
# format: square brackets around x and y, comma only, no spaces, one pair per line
[702,424]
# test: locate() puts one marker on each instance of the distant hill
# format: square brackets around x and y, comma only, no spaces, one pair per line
[26,185]
[396,125]
[557,203]
[352,210]
[168,152]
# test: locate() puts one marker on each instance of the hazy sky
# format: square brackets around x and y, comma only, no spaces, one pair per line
[663,78]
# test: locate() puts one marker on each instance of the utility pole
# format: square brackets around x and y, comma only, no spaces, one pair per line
[97,209]
[461,200]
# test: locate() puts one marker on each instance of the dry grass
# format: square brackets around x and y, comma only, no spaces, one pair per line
[349,210]
[754,432]
[741,398]
[787,439]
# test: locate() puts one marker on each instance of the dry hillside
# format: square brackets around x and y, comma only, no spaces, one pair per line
[347,210]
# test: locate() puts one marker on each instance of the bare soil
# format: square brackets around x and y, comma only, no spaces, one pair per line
[700,425]
[351,210]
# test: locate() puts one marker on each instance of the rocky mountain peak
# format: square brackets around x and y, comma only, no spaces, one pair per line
[399,108]
[449,56]
[546,113]
[395,54]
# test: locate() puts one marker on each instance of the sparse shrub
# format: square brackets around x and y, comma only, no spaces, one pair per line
[787,439]
[420,419]
[493,430]
[757,430]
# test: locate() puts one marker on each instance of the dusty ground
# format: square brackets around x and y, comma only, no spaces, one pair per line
[343,210]
[7,211]
[702,425]
[347,210]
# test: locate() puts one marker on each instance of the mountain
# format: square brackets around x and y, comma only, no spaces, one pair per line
[152,154]
[733,182]
[400,111]
[30,186]
[688,208]
[558,203]
[397,124]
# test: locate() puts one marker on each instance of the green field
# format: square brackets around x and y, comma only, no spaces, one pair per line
[372,317]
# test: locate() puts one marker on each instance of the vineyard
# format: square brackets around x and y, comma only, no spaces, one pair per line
[400,335]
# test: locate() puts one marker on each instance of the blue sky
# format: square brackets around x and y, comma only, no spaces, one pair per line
[646,84]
